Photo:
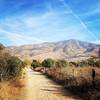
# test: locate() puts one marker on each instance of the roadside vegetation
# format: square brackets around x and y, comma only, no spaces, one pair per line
[10,66]
[82,77]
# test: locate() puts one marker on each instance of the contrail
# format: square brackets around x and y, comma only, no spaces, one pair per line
[76,16]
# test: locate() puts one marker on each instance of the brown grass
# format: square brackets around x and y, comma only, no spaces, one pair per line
[78,80]
[11,90]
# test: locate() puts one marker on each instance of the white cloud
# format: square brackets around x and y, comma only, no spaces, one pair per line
[79,20]
[18,39]
[53,25]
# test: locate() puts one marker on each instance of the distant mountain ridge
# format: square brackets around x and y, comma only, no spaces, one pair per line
[68,49]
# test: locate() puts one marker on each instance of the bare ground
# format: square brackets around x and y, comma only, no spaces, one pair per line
[34,86]
[38,87]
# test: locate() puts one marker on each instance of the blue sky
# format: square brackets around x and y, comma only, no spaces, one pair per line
[36,21]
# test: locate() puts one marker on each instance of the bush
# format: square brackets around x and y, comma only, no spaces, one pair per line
[48,63]
[82,63]
[97,63]
[15,66]
[73,64]
[61,63]
[94,62]
[35,64]
[3,67]
[91,62]
[10,66]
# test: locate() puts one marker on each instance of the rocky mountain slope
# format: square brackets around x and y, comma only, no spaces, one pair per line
[69,49]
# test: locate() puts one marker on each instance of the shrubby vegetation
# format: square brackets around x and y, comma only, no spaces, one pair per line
[15,66]
[78,77]
[48,63]
[35,64]
[61,63]
[95,62]
[10,66]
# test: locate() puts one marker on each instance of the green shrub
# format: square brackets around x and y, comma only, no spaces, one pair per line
[10,66]
[3,68]
[35,64]
[48,63]
[61,63]
[15,66]
[97,63]
[82,63]
[91,62]
[73,64]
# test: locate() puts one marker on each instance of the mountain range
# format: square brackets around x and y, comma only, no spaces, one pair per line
[67,49]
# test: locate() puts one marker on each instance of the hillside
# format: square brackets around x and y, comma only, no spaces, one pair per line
[68,49]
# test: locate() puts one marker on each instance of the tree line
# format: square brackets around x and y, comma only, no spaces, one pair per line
[48,63]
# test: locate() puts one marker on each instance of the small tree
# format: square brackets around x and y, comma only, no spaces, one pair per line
[48,63]
[35,64]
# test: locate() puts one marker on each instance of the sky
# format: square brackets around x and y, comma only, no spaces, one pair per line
[36,21]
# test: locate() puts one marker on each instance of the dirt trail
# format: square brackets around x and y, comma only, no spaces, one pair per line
[38,87]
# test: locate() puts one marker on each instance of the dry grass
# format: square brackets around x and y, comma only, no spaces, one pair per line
[34,86]
[11,90]
[79,80]
[38,87]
